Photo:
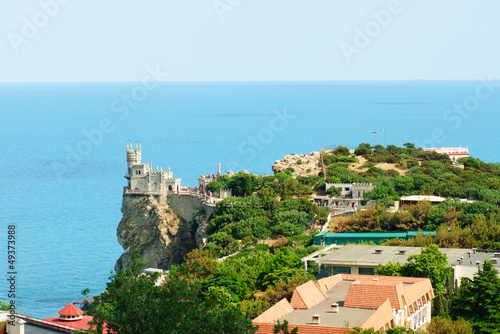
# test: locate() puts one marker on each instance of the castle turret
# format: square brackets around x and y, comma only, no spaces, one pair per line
[133,156]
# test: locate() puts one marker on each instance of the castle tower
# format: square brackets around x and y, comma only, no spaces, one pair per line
[133,156]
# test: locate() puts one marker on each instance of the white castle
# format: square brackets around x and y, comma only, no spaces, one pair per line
[142,178]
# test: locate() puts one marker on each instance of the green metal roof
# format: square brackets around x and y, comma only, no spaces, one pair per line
[358,237]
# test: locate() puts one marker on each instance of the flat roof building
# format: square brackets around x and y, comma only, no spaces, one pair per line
[364,259]
[335,303]
[414,199]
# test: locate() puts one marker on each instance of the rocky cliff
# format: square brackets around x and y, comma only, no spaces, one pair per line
[299,164]
[164,232]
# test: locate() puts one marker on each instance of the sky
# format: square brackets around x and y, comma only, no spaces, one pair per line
[249,40]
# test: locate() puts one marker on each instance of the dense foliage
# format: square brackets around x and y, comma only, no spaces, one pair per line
[136,305]
[457,224]
[478,300]
[215,295]
[274,206]
[427,173]
[255,278]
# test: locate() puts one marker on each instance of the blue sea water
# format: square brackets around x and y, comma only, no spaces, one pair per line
[62,156]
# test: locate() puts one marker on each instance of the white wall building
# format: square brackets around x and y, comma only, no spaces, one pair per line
[453,152]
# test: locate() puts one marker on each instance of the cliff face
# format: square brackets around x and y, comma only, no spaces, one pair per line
[301,164]
[161,231]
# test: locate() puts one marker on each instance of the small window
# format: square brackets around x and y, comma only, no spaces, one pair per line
[136,172]
[341,270]
[366,271]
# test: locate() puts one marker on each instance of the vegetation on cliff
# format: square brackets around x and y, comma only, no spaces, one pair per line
[263,232]
[264,207]
[457,223]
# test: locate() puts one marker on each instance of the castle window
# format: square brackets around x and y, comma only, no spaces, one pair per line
[136,172]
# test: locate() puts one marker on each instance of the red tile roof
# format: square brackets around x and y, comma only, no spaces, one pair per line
[327,283]
[382,293]
[381,317]
[82,323]
[372,296]
[70,310]
[280,309]
[303,329]
[307,295]
[77,324]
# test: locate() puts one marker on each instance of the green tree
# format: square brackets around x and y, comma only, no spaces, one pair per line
[431,263]
[363,149]
[283,328]
[409,145]
[341,151]
[3,306]
[440,325]
[130,305]
[478,300]
[334,191]
[389,269]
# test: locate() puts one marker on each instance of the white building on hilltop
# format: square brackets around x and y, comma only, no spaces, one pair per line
[453,152]
[142,178]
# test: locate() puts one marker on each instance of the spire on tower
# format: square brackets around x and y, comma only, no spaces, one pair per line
[156,167]
[161,168]
[136,146]
[127,146]
[169,168]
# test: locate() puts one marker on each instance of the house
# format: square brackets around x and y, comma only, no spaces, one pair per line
[335,303]
[364,259]
[453,153]
[70,319]
[351,195]
[151,271]
[414,199]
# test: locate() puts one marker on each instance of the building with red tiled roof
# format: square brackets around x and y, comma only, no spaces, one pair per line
[72,317]
[70,312]
[335,303]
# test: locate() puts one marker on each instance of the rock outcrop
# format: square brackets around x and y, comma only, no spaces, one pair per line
[163,232]
[299,164]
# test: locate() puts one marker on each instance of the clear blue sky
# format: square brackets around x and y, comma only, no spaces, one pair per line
[90,40]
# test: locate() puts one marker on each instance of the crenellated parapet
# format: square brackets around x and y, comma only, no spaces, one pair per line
[143,179]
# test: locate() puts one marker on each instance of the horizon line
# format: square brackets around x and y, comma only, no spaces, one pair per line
[252,81]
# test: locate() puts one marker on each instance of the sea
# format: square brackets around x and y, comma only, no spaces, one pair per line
[62,154]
